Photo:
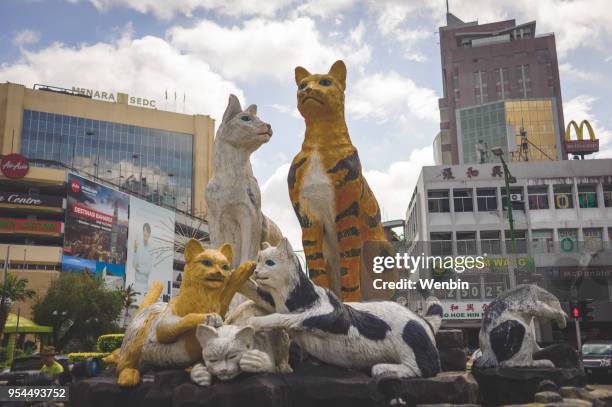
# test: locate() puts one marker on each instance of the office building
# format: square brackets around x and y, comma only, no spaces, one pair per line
[495,74]
[562,214]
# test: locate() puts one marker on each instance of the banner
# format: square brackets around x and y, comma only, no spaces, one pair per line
[150,247]
[96,230]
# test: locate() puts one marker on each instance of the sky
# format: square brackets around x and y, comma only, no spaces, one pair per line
[203,50]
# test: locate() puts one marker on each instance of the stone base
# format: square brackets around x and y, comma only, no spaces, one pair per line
[451,350]
[310,385]
[508,385]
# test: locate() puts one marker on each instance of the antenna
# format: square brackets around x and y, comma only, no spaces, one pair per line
[447,7]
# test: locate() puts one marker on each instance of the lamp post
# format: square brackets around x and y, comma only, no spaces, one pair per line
[508,179]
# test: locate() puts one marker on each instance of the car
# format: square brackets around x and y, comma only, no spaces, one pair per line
[26,370]
[597,359]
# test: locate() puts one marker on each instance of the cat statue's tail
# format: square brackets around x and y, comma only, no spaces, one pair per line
[151,298]
[433,313]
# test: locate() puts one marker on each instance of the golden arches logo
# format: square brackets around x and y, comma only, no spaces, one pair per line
[579,130]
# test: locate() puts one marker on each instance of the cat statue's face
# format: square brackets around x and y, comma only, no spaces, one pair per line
[207,267]
[242,128]
[222,348]
[321,94]
[275,266]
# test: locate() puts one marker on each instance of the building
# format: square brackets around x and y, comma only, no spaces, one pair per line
[562,214]
[161,157]
[498,78]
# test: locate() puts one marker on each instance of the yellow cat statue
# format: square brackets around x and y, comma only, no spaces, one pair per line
[163,334]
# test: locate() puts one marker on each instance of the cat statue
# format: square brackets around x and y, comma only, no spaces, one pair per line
[164,334]
[234,348]
[382,336]
[332,200]
[507,335]
[232,195]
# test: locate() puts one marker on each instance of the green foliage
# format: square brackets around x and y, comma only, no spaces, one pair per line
[83,356]
[12,289]
[110,342]
[4,356]
[79,307]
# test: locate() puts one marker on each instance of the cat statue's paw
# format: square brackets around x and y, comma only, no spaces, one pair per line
[284,368]
[255,361]
[200,375]
[213,320]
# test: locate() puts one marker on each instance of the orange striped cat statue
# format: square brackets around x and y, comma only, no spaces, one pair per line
[332,200]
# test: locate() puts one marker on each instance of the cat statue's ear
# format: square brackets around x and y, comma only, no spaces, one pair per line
[246,335]
[233,108]
[227,251]
[192,249]
[265,245]
[285,246]
[205,333]
[338,71]
[252,109]
[300,73]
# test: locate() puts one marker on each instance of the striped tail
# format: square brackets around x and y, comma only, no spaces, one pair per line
[152,296]
[433,315]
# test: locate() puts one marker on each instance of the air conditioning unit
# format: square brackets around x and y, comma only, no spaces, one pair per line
[516,198]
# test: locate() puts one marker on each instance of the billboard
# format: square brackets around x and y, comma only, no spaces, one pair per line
[96,230]
[150,247]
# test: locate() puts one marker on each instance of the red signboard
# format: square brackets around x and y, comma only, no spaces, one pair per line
[82,211]
[581,146]
[14,166]
[8,225]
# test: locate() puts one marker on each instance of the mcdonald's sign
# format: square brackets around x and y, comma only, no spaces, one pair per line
[580,145]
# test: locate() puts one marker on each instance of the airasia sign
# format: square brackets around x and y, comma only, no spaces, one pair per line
[14,166]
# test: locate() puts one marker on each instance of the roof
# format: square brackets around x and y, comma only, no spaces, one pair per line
[25,326]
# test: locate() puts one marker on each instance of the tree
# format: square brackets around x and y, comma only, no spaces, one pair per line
[12,289]
[128,299]
[78,306]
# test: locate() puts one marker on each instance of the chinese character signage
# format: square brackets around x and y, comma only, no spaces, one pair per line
[463,309]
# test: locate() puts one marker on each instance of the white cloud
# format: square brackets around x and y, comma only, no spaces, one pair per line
[260,48]
[580,108]
[325,8]
[391,96]
[167,9]
[293,111]
[392,187]
[26,37]
[567,69]
[145,67]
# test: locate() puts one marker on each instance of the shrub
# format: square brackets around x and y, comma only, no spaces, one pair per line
[110,342]
[83,356]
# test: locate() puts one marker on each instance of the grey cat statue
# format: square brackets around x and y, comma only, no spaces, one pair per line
[382,336]
[507,336]
[234,348]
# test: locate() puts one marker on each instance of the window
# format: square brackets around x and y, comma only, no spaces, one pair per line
[487,199]
[480,87]
[502,85]
[568,239]
[587,196]
[441,243]
[438,201]
[463,200]
[563,196]
[524,81]
[520,239]
[593,238]
[516,195]
[490,242]
[607,195]
[466,243]
[542,240]
[538,197]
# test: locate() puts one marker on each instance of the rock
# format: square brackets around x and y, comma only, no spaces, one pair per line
[547,397]
[519,385]
[603,395]
[449,338]
[581,393]
[548,385]
[562,355]
[452,359]
[448,387]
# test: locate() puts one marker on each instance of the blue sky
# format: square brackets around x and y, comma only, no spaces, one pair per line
[205,49]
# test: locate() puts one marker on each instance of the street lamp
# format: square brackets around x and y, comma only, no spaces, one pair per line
[508,179]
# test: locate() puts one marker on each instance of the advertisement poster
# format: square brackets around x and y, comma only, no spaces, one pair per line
[96,230]
[150,247]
